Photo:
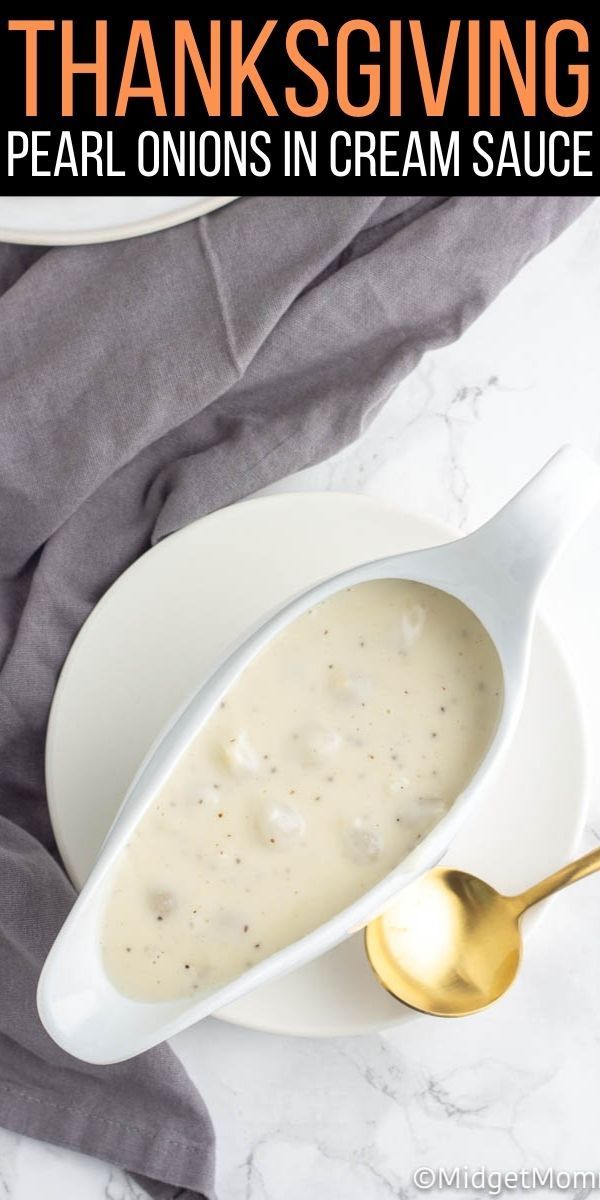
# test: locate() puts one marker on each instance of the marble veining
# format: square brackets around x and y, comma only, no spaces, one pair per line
[516,1086]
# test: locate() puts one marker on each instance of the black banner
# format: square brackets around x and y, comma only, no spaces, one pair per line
[182,105]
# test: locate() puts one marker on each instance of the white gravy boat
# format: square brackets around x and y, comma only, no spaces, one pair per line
[496,572]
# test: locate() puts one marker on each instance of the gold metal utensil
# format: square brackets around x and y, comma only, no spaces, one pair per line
[450,944]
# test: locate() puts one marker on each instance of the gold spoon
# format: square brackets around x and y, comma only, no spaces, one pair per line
[451,944]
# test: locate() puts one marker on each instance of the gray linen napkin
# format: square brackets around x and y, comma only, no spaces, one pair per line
[142,384]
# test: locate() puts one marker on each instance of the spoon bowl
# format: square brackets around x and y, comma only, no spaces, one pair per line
[449,946]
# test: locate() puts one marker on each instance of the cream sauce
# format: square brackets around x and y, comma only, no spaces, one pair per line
[338,748]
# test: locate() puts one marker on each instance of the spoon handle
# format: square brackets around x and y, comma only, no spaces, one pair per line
[560,879]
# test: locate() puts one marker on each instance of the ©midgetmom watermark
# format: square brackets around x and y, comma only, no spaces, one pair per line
[495,1183]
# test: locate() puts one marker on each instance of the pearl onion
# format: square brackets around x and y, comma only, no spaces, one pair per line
[421,813]
[208,795]
[412,623]
[398,784]
[318,743]
[363,843]
[280,825]
[352,689]
[161,902]
[241,756]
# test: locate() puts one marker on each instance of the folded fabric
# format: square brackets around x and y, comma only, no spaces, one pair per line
[143,384]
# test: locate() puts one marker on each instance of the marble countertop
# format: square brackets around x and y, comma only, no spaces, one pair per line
[516,1087]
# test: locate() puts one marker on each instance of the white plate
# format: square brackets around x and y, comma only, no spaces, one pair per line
[74,220]
[156,631]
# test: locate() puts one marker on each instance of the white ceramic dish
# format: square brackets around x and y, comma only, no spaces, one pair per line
[123,678]
[496,572]
[76,220]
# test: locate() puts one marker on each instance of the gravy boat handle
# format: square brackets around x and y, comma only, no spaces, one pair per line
[499,568]
[524,537]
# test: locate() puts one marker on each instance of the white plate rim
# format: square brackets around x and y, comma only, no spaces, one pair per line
[534,917]
[118,231]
